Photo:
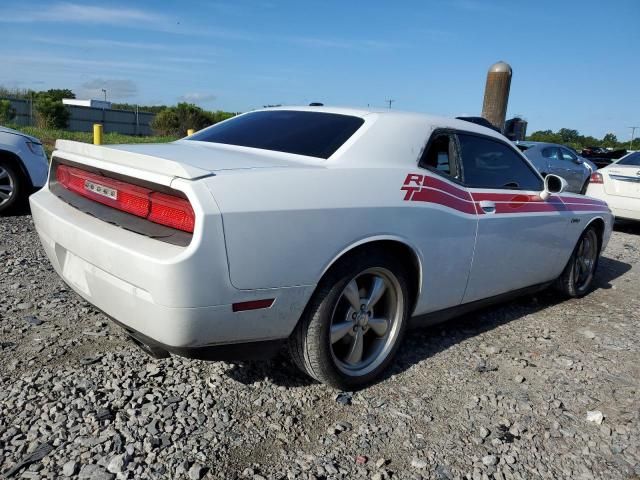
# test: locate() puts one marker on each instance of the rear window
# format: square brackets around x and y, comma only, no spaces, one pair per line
[633,160]
[314,134]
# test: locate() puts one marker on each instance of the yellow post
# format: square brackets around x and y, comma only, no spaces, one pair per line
[97,134]
[190,132]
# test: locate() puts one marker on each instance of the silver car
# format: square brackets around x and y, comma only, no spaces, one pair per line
[23,167]
[561,161]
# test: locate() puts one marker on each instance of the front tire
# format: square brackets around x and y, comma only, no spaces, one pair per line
[577,278]
[355,321]
[11,187]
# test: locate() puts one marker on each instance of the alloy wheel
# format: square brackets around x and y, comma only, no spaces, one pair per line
[585,260]
[366,321]
[7,185]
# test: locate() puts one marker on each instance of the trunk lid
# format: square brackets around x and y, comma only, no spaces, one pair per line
[184,158]
[622,180]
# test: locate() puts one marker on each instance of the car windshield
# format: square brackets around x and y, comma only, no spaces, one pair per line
[632,159]
[314,134]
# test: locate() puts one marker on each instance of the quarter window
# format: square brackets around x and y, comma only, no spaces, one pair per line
[440,155]
[488,163]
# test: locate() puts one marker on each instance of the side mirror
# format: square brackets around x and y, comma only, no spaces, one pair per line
[578,161]
[553,184]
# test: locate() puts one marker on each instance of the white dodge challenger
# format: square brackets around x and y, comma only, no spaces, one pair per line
[325,228]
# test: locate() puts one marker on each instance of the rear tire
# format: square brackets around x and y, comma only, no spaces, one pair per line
[11,187]
[577,278]
[355,321]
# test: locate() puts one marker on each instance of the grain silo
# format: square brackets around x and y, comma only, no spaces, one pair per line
[496,94]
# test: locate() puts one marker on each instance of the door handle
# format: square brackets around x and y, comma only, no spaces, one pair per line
[487,206]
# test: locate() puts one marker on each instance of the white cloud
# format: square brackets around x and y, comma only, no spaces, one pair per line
[361,45]
[197,97]
[62,63]
[117,16]
[190,60]
[79,13]
[117,89]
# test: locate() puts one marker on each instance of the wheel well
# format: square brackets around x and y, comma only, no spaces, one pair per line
[598,223]
[405,255]
[10,158]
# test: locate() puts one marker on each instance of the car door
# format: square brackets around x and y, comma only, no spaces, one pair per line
[444,223]
[574,170]
[551,155]
[520,236]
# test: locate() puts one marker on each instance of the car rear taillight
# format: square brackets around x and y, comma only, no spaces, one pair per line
[157,207]
[171,211]
[596,178]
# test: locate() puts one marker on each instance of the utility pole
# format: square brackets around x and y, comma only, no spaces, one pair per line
[104,90]
[633,131]
[390,102]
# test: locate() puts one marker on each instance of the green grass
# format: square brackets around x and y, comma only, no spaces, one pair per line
[49,136]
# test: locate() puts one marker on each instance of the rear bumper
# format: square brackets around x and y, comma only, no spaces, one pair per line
[259,350]
[178,297]
[621,207]
[626,213]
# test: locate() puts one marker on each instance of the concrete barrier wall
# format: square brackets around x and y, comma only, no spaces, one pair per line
[81,119]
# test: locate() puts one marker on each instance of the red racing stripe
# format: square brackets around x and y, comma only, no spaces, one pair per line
[434,196]
[513,197]
[529,207]
[434,182]
[583,201]
[431,189]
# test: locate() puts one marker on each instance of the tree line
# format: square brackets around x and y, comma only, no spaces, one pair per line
[50,112]
[175,120]
[572,138]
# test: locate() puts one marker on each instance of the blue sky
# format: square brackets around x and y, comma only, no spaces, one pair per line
[575,63]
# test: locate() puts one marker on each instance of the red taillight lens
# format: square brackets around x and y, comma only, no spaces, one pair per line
[114,193]
[171,211]
[157,207]
[596,178]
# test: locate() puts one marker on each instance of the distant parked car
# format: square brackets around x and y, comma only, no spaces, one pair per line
[594,151]
[23,167]
[560,160]
[602,156]
[619,185]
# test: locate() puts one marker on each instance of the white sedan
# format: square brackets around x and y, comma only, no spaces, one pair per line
[325,228]
[619,185]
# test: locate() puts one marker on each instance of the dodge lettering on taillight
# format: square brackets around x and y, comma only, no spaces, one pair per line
[101,189]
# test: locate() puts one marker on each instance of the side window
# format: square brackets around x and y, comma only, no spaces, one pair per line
[488,163]
[550,152]
[568,155]
[440,155]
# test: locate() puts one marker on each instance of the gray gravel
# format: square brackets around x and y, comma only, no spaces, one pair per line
[535,388]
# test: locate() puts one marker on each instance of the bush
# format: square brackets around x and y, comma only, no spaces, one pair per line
[7,112]
[177,120]
[50,112]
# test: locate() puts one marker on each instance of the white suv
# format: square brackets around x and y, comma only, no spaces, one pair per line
[23,167]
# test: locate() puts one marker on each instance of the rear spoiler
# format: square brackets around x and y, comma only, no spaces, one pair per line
[125,162]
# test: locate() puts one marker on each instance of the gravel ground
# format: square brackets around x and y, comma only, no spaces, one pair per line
[535,388]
